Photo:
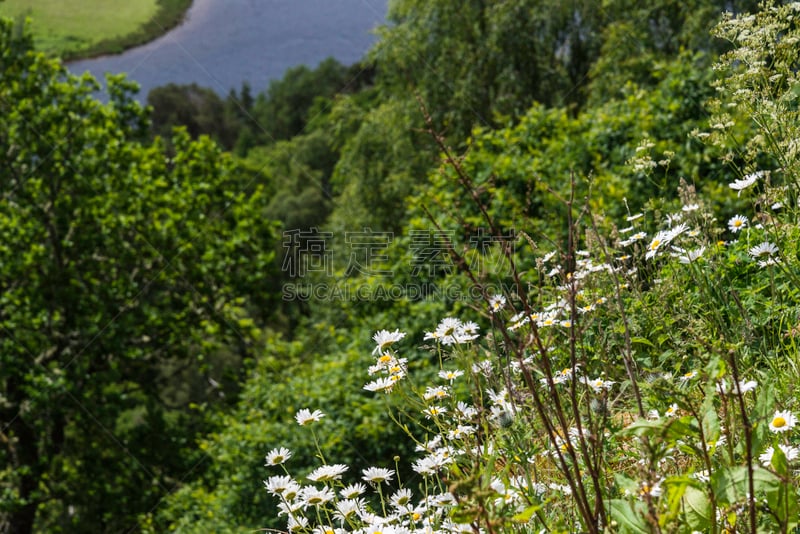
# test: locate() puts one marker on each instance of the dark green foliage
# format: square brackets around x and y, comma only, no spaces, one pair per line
[129,281]
[200,110]
[355,430]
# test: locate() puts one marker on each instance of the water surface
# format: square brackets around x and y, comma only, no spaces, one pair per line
[223,43]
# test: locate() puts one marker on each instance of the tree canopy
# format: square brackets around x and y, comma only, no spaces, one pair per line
[131,288]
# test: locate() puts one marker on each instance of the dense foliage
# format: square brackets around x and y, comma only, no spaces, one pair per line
[132,287]
[161,332]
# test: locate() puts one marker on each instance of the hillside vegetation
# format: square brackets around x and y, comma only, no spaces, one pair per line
[529,266]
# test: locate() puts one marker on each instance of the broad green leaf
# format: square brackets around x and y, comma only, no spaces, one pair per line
[629,517]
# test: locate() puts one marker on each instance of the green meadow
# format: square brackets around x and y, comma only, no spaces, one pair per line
[80,28]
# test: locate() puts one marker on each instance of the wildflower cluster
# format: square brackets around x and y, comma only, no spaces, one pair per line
[324,503]
[621,385]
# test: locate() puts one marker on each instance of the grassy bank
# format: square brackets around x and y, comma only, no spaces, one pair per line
[75,29]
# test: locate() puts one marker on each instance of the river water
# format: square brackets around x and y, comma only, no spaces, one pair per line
[223,43]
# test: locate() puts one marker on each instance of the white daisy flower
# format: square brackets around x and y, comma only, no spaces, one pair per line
[598,384]
[747,181]
[518,321]
[452,331]
[763,250]
[376,475]
[496,303]
[469,331]
[306,416]
[352,491]
[348,508]
[673,218]
[437,392]
[737,222]
[782,421]
[461,432]
[465,411]
[312,496]
[687,376]
[791,453]
[325,473]
[450,375]
[401,498]
[740,388]
[384,383]
[277,456]
[281,485]
[687,257]
[384,339]
[658,241]
[546,320]
[296,523]
[651,489]
[434,411]
[745,386]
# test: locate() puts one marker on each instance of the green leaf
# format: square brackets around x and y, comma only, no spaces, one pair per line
[525,515]
[697,508]
[629,517]
[669,430]
[642,341]
[731,485]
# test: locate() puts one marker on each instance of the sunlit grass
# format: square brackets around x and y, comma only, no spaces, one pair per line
[71,28]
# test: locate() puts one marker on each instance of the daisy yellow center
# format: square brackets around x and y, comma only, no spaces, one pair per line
[278,459]
[654,245]
[329,531]
[737,223]
[385,358]
[779,422]
[416,516]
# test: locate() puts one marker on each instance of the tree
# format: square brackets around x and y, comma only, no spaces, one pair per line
[129,289]
[199,109]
